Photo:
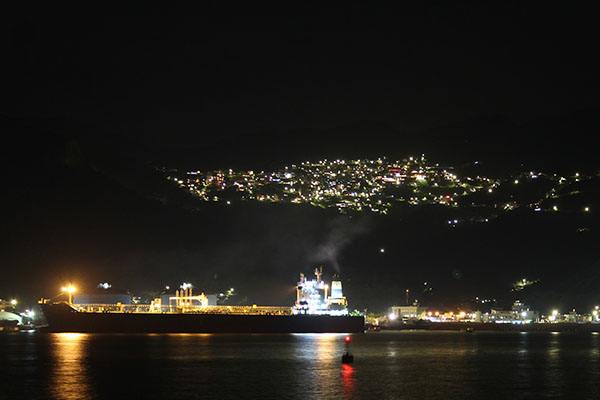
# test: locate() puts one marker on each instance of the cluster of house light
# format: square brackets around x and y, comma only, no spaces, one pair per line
[361,185]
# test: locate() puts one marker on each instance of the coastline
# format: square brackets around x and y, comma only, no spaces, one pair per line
[495,327]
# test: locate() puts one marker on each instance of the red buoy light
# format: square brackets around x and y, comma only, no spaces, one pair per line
[347,339]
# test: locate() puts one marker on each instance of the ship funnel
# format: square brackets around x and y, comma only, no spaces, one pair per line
[318,273]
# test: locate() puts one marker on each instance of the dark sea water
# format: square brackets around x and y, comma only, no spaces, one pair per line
[388,365]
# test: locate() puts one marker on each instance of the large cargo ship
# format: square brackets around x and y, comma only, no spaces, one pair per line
[315,311]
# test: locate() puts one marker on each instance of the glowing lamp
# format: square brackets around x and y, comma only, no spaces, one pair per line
[70,290]
[347,339]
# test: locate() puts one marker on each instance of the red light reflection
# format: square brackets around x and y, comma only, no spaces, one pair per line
[348,380]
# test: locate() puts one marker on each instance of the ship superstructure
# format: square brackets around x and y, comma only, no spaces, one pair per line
[314,296]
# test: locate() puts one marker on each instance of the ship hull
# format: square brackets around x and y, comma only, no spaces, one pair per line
[63,318]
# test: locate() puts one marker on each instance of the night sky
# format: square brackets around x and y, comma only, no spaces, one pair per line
[96,98]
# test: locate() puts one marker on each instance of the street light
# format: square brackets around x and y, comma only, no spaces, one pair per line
[70,290]
[13,302]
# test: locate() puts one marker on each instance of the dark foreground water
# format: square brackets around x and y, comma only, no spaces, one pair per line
[388,365]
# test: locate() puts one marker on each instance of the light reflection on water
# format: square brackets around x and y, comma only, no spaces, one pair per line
[554,372]
[348,380]
[388,365]
[318,364]
[69,376]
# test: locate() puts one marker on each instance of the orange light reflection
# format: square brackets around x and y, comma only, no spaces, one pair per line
[69,376]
